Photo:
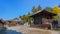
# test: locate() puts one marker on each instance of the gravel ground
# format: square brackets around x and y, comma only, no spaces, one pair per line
[19,28]
[42,31]
[25,29]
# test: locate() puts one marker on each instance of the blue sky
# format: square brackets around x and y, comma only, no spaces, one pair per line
[10,9]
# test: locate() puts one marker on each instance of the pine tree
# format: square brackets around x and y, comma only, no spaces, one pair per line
[49,9]
[39,8]
[34,9]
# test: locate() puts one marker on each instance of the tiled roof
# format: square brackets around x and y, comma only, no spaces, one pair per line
[36,12]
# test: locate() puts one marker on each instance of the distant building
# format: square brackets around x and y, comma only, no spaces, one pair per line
[6,22]
[18,20]
[14,21]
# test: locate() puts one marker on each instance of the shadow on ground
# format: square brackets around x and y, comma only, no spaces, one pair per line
[9,32]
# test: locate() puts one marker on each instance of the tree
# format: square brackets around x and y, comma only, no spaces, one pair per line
[28,18]
[34,9]
[20,16]
[28,13]
[49,9]
[25,17]
[56,9]
[39,8]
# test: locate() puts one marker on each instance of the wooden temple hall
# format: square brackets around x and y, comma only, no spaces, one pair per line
[43,19]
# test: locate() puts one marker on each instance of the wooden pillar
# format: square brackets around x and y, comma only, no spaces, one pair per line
[58,18]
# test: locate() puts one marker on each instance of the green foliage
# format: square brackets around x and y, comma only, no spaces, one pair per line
[39,8]
[34,9]
[27,18]
[49,9]
[56,9]
[28,14]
